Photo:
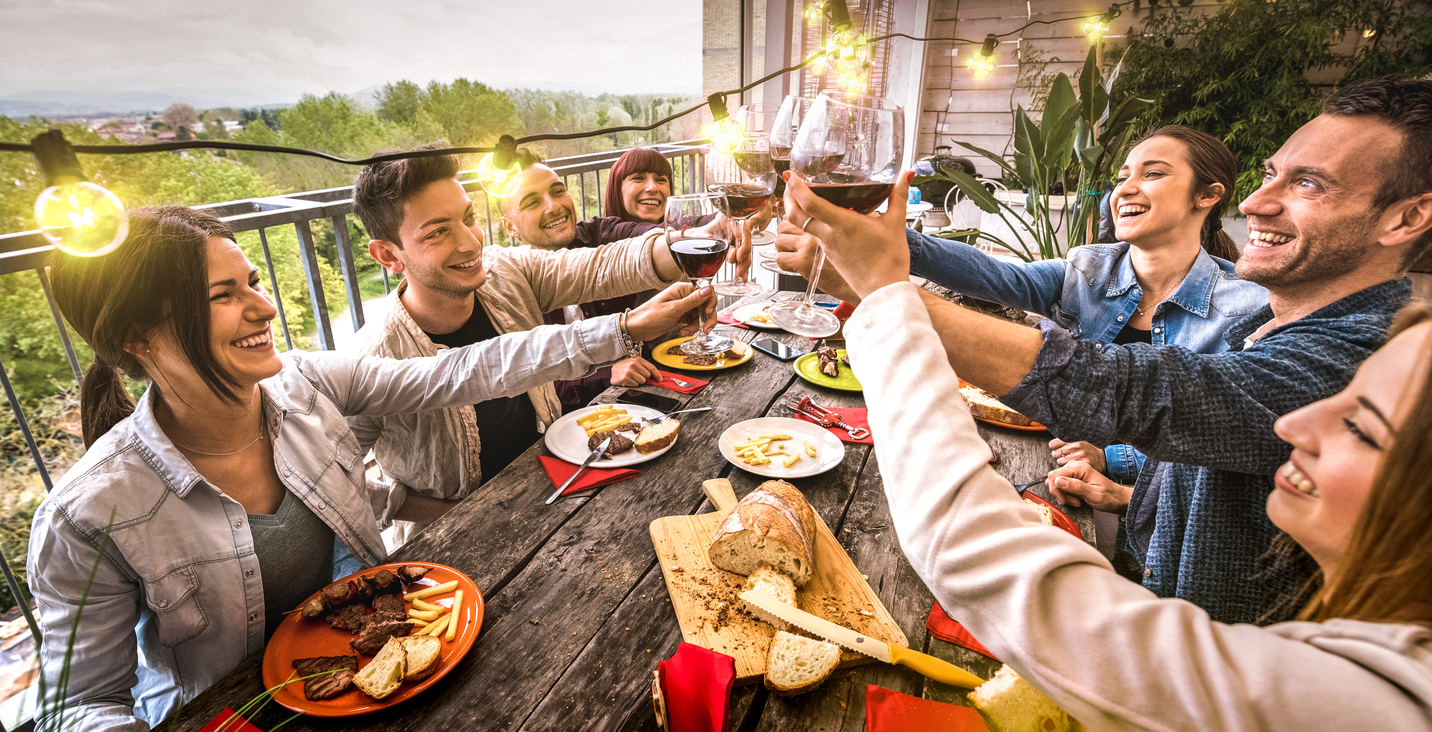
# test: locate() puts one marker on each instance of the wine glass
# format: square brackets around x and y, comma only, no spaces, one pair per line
[746,188]
[848,149]
[699,252]
[761,119]
[783,133]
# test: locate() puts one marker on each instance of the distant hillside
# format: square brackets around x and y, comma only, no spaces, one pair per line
[55,103]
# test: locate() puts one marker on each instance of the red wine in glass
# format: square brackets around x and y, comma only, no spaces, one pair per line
[742,200]
[820,164]
[861,198]
[779,152]
[699,258]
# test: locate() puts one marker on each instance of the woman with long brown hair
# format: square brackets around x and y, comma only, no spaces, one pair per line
[211,507]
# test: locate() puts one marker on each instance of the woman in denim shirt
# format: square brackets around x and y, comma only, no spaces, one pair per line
[1169,281]
[211,507]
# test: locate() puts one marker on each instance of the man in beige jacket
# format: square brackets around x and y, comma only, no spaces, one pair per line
[455,291]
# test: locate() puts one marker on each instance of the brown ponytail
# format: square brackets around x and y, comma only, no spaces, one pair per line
[157,278]
[103,401]
[1212,162]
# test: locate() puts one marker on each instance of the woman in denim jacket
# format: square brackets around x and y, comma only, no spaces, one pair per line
[1169,281]
[211,507]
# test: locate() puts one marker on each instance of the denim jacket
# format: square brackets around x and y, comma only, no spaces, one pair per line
[177,597]
[1092,294]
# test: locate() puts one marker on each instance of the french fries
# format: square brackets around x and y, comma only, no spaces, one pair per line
[430,591]
[790,460]
[420,605]
[452,624]
[809,448]
[437,627]
[428,615]
[602,419]
[759,450]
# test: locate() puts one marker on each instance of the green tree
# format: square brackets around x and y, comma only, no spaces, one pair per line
[471,113]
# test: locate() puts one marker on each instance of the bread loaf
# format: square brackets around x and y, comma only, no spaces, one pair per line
[984,405]
[797,664]
[1010,704]
[770,581]
[772,525]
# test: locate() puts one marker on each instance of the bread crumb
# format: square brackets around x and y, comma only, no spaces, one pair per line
[842,705]
[628,627]
[534,621]
[648,650]
[607,577]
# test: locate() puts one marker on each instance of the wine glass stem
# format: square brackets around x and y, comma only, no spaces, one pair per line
[701,313]
[815,275]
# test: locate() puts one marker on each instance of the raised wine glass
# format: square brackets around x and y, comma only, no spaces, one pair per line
[760,119]
[848,149]
[699,252]
[783,134]
[747,186]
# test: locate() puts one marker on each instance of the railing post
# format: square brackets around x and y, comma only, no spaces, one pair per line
[273,285]
[350,272]
[60,325]
[315,285]
[582,191]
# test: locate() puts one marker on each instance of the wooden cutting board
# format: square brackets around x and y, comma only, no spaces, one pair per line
[706,598]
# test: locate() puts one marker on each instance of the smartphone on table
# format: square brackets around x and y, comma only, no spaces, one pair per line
[774,348]
[658,402]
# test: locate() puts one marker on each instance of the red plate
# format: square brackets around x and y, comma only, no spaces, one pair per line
[298,637]
[1061,519]
[1036,427]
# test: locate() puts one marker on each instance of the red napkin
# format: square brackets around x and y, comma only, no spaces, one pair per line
[845,310]
[696,688]
[558,471]
[229,721]
[941,626]
[891,711]
[725,317]
[665,382]
[854,417]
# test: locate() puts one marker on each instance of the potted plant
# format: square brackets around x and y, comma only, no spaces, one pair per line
[1073,147]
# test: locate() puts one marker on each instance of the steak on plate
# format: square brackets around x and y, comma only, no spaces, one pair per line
[348,617]
[390,607]
[331,684]
[620,442]
[376,632]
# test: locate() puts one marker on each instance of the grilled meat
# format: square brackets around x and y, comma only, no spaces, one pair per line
[411,574]
[705,359]
[366,590]
[828,361]
[632,427]
[390,606]
[333,596]
[620,442]
[348,617]
[386,582]
[376,632]
[331,684]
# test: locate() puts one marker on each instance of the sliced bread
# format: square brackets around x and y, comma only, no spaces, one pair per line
[1010,704]
[985,405]
[654,437]
[775,584]
[797,664]
[384,674]
[423,654]
[772,525]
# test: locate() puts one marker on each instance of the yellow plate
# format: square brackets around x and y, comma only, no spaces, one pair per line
[673,360]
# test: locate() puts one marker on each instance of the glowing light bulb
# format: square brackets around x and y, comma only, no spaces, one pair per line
[814,13]
[849,51]
[726,136]
[1370,32]
[498,181]
[982,63]
[819,65]
[852,82]
[81,218]
[1095,28]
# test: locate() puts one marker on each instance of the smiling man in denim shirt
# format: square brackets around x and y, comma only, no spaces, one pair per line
[1345,207]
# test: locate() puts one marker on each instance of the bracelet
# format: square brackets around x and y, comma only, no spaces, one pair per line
[631,345]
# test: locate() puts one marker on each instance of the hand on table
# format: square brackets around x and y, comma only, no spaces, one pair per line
[869,251]
[633,372]
[1078,482]
[1068,452]
[679,305]
[795,252]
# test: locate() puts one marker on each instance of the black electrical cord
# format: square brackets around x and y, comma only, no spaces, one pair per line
[249,147]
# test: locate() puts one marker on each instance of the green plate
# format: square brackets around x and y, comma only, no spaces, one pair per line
[808,368]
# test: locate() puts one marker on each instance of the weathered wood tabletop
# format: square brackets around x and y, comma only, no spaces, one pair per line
[577,612]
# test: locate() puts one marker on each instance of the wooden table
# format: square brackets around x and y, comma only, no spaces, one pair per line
[577,611]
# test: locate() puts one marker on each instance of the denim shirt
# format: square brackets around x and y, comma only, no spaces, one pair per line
[177,597]
[1093,294]
[1206,423]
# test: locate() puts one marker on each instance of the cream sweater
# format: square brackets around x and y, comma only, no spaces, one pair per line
[1107,650]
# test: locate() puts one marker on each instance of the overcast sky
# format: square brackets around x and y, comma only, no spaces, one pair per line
[276,50]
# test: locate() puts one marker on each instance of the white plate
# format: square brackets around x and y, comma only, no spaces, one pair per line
[829,450]
[567,440]
[743,315]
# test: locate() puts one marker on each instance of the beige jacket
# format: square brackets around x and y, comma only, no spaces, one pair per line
[1106,649]
[435,453]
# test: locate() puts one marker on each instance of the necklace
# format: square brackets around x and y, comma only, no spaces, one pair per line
[220,454]
[1141,308]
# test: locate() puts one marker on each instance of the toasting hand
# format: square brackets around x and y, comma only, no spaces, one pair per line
[869,251]
[681,305]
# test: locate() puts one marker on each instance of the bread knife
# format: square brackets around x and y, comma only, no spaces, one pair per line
[928,666]
[595,454]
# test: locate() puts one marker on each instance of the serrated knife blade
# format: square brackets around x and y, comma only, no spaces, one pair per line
[928,666]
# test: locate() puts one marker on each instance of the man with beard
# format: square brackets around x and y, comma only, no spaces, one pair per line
[455,292]
[1345,208]
[542,215]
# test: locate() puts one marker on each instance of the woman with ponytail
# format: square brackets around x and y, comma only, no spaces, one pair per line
[211,507]
[1169,280]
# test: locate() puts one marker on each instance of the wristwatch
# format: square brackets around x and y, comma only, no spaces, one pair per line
[629,344]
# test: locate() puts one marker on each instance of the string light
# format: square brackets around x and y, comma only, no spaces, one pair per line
[852,82]
[982,63]
[1370,32]
[815,14]
[818,63]
[726,133]
[1096,26]
[499,173]
[74,214]
[847,50]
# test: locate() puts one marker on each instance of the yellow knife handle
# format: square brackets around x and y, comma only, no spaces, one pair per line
[933,668]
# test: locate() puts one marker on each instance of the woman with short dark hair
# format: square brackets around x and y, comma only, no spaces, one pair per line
[638,185]
[210,508]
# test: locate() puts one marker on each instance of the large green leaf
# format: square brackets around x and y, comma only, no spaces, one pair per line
[1090,156]
[1121,117]
[1027,138]
[1088,82]
[973,189]
[996,159]
[1061,98]
[1060,140]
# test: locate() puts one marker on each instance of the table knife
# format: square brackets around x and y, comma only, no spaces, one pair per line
[928,666]
[595,454]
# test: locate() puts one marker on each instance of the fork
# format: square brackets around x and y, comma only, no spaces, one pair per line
[679,382]
[662,418]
